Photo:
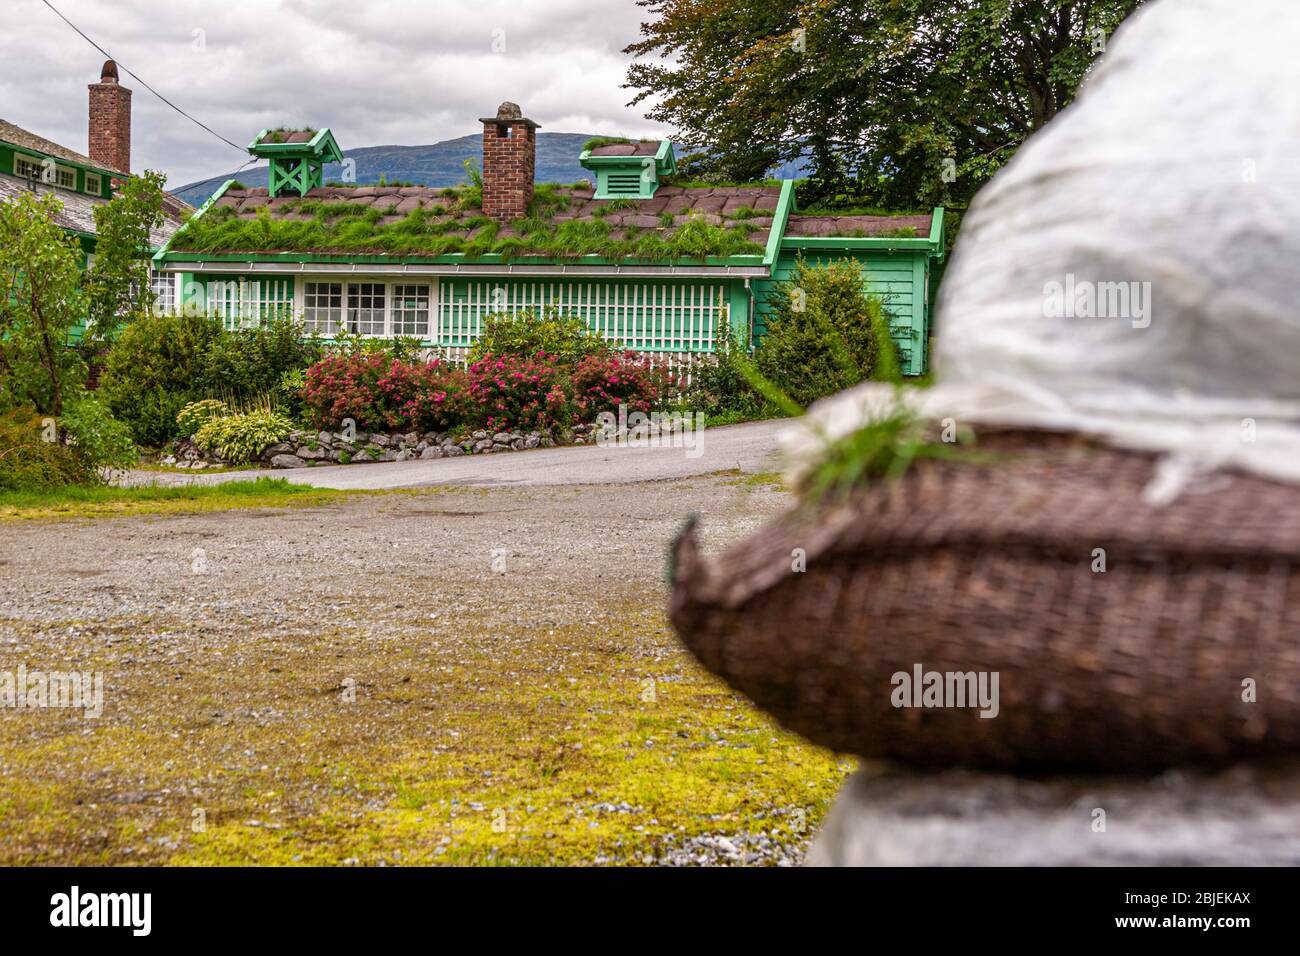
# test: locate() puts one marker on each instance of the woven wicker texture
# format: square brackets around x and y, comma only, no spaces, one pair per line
[962,567]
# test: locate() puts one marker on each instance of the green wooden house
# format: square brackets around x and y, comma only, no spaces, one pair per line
[656,265]
[81,182]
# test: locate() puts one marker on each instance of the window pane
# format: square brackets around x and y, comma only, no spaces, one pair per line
[163,285]
[411,310]
[323,307]
[366,308]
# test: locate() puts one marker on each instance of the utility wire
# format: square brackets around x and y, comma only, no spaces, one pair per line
[142,82]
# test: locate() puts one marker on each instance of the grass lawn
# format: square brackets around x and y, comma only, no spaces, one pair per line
[103,501]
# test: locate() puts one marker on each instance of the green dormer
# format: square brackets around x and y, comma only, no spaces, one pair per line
[629,170]
[298,158]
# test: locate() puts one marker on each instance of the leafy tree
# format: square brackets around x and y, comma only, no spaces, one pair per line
[901,103]
[41,302]
[117,285]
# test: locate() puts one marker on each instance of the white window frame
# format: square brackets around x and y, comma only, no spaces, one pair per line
[399,317]
[23,161]
[391,314]
[164,304]
[365,290]
[312,325]
[98,190]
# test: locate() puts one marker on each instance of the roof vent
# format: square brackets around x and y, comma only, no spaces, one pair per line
[298,158]
[629,170]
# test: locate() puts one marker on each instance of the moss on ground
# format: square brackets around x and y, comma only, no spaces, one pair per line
[574,747]
[112,502]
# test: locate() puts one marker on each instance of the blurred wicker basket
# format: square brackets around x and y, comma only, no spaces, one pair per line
[962,567]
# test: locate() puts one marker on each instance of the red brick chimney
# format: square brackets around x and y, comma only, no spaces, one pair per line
[110,121]
[509,163]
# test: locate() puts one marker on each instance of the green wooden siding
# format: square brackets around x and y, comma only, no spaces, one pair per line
[899,277]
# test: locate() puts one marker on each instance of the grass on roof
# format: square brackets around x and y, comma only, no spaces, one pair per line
[454,224]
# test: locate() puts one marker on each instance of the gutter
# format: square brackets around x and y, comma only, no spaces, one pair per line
[457,268]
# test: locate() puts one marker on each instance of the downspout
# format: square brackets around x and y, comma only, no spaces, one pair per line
[749,316]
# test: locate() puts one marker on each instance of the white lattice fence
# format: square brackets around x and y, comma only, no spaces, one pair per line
[648,317]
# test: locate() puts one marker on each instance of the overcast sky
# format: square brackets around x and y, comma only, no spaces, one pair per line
[377,72]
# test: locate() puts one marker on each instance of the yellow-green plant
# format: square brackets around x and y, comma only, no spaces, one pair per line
[241,438]
[194,415]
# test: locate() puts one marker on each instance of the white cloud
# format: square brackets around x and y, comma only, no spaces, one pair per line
[377,72]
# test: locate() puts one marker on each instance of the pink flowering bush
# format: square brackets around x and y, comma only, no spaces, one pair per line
[517,392]
[603,382]
[381,393]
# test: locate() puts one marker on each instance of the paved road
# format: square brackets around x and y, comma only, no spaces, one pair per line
[750,447]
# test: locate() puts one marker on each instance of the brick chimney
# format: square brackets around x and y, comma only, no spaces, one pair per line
[110,121]
[509,163]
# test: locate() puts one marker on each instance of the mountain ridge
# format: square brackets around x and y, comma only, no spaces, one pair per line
[437,164]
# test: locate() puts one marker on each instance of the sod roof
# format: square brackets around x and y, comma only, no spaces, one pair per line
[565,221]
[679,222]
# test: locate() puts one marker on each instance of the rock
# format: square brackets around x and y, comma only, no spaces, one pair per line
[287,461]
[502,438]
[959,818]
[388,455]
[532,441]
[283,448]
[517,444]
[380,440]
[198,464]
[411,438]
[334,454]
[432,451]
[452,451]
[479,435]
[422,445]
[404,455]
[167,460]
[310,454]
[324,438]
[483,444]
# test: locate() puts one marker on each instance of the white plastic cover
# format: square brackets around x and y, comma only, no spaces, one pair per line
[1134,273]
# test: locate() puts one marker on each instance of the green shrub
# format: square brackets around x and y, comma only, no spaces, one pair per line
[241,438]
[253,360]
[289,393]
[30,459]
[826,333]
[153,370]
[403,348]
[720,390]
[524,334]
[194,415]
[95,436]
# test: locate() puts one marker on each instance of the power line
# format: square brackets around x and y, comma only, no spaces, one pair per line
[142,82]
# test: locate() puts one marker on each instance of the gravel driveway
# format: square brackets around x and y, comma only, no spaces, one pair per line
[452,675]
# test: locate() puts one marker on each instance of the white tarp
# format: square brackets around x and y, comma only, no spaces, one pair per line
[1134,273]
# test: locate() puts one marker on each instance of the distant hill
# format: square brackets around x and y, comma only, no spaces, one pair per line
[442,164]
